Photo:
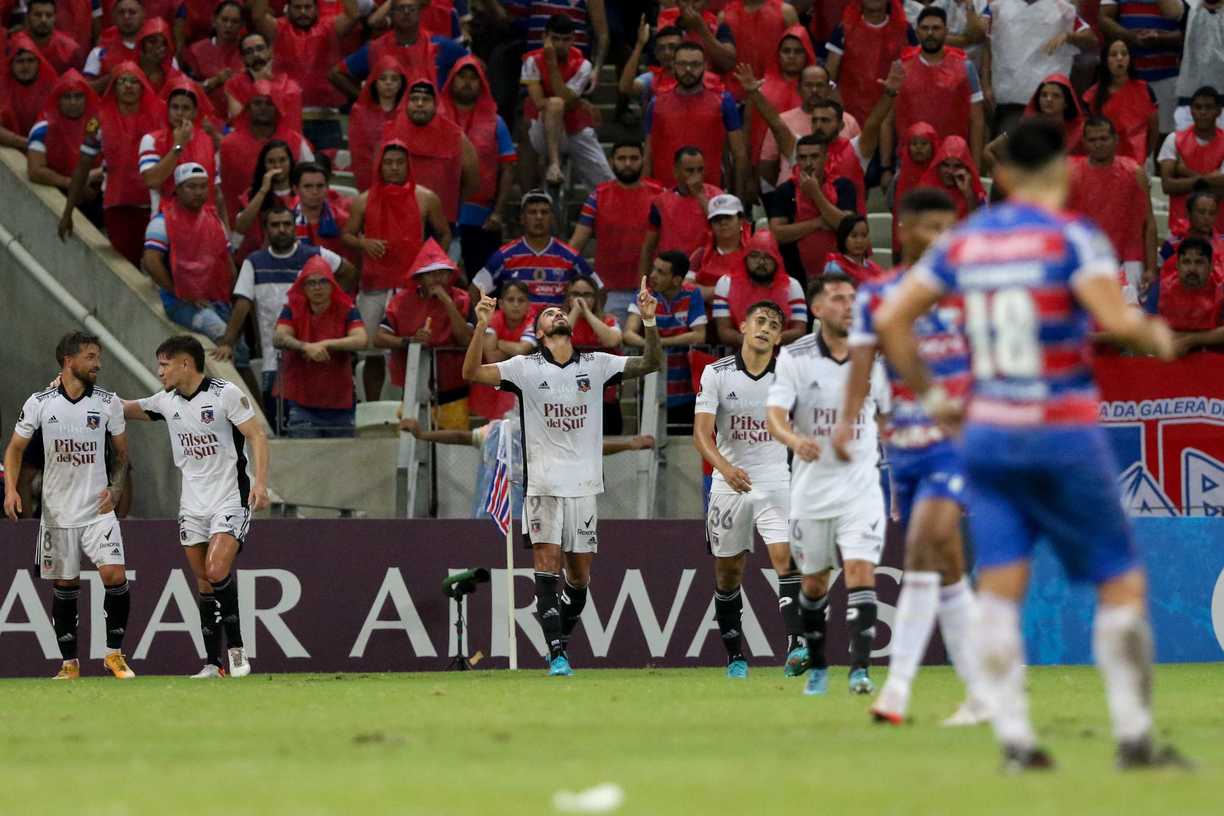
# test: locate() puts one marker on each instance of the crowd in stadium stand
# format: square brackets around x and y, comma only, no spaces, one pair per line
[313,183]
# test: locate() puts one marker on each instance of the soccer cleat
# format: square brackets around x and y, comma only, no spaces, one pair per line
[817,682]
[972,711]
[889,707]
[118,666]
[71,670]
[210,671]
[797,662]
[560,667]
[737,670]
[1018,760]
[1141,754]
[860,683]
[239,666]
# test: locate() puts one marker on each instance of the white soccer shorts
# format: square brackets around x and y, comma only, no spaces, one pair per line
[200,529]
[58,552]
[732,517]
[858,535]
[568,521]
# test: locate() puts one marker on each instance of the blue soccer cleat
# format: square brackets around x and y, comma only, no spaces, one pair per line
[797,662]
[860,683]
[560,667]
[817,682]
[737,670]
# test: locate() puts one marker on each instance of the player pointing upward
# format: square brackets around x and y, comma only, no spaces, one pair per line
[75,419]
[560,396]
[1037,463]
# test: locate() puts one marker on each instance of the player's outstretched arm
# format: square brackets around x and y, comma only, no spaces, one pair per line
[132,410]
[473,368]
[858,384]
[12,466]
[258,440]
[1124,324]
[651,359]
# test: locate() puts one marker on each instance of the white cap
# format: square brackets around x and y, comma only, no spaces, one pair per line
[725,204]
[189,170]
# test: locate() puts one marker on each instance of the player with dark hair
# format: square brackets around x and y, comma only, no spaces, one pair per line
[1038,465]
[928,480]
[75,420]
[751,484]
[209,420]
[836,507]
[560,394]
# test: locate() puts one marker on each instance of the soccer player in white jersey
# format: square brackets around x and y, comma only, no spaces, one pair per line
[75,418]
[209,420]
[560,395]
[836,506]
[751,483]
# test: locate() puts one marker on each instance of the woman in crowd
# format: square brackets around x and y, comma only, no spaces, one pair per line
[853,256]
[1125,100]
[381,98]
[271,183]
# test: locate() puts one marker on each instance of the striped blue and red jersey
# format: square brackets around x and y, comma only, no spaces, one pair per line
[1014,266]
[1151,64]
[683,313]
[942,346]
[547,273]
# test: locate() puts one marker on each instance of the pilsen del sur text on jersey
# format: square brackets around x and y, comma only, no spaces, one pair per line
[562,417]
[198,446]
[72,452]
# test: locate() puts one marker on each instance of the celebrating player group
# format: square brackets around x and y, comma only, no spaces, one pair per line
[964,378]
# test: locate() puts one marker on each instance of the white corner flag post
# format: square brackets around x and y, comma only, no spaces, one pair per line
[507,450]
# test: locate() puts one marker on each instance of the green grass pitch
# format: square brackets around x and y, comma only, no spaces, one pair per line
[678,741]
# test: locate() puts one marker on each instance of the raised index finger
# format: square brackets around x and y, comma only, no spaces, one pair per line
[643,287]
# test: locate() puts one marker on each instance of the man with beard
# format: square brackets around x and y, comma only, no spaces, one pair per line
[941,87]
[116,44]
[762,277]
[561,397]
[614,214]
[76,420]
[58,48]
[257,65]
[814,88]
[1191,299]
[263,284]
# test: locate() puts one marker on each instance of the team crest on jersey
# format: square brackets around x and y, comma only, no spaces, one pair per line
[92,420]
[206,415]
[584,383]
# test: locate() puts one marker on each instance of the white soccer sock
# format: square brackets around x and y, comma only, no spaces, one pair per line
[1000,658]
[1122,647]
[955,622]
[912,629]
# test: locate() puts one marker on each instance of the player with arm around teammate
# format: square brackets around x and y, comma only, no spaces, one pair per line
[928,480]
[560,392]
[1037,463]
[751,483]
[211,424]
[75,418]
[836,507]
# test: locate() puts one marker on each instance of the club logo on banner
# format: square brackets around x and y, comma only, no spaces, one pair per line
[1165,423]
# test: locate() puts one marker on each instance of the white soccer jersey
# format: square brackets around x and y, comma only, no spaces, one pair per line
[811,384]
[208,447]
[74,450]
[738,401]
[562,409]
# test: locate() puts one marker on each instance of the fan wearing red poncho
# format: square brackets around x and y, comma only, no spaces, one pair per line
[319,212]
[427,310]
[442,157]
[57,47]
[306,45]
[25,84]
[317,332]
[1055,100]
[814,89]
[677,220]
[387,225]
[701,27]
[615,214]
[809,207]
[954,171]
[213,60]
[916,152]
[1190,297]
[692,114]
[186,253]
[853,255]
[77,19]
[723,252]
[1202,208]
[780,86]
[116,44]
[762,276]
[381,98]
[186,137]
[646,84]
[941,88]
[1193,159]
[758,27]
[1127,100]
[1114,192]
[869,39]
[260,122]
[257,66]
[130,109]
[54,146]
[154,44]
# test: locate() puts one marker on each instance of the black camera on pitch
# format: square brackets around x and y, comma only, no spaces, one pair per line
[464,583]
